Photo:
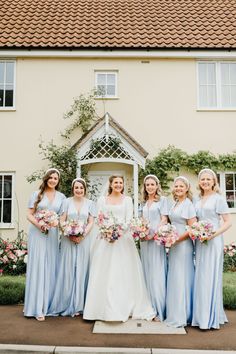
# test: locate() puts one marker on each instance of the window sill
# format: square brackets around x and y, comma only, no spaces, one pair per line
[216,109]
[5,109]
[107,98]
[7,227]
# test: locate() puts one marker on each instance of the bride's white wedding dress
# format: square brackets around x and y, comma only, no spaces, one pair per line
[116,288]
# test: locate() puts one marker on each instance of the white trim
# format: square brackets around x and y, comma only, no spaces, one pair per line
[13,107]
[218,106]
[11,224]
[185,53]
[222,186]
[106,159]
[105,72]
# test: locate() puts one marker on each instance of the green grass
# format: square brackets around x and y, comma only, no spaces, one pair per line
[12,289]
[229,290]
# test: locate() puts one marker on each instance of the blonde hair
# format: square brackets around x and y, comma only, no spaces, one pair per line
[158,193]
[111,179]
[189,193]
[216,187]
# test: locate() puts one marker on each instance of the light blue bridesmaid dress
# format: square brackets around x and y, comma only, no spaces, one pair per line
[72,278]
[43,252]
[208,311]
[153,257]
[180,276]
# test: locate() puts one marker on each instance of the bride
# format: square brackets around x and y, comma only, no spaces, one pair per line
[116,288]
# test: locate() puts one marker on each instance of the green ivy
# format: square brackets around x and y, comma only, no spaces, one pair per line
[170,160]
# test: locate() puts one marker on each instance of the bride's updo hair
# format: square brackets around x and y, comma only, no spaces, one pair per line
[111,179]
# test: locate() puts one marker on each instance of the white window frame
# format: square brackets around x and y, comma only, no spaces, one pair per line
[223,185]
[218,106]
[115,72]
[11,224]
[10,108]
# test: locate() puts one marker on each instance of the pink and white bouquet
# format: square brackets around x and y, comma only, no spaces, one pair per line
[46,219]
[140,229]
[166,235]
[109,228]
[74,228]
[200,230]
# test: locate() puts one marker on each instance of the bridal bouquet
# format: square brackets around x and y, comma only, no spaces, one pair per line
[200,230]
[109,228]
[166,235]
[139,229]
[73,228]
[46,219]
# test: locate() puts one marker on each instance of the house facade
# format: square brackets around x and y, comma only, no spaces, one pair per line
[167,74]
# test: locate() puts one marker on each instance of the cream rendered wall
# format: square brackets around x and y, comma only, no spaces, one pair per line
[157,105]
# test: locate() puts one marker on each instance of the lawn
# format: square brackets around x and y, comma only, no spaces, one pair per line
[12,289]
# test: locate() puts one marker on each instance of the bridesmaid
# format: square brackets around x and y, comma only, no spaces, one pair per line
[43,248]
[208,309]
[180,275]
[72,276]
[153,256]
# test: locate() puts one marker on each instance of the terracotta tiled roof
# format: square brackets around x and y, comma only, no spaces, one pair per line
[118,23]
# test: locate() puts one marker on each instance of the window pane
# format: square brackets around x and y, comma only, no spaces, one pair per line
[101,79]
[203,96]
[111,79]
[7,211]
[233,73]
[2,66]
[202,74]
[1,96]
[7,187]
[230,199]
[9,96]
[9,73]
[225,74]
[211,96]
[0,210]
[111,90]
[101,90]
[225,94]
[0,186]
[233,96]
[211,74]
[229,183]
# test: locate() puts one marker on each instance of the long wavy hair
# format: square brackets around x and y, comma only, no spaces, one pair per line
[111,179]
[158,193]
[43,186]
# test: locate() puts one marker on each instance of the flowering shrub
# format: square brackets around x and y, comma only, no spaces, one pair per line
[13,256]
[230,257]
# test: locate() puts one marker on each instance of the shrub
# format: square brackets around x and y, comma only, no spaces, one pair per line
[230,257]
[13,256]
[229,290]
[12,290]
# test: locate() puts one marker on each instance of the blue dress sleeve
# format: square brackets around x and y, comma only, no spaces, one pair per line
[33,199]
[63,200]
[92,208]
[65,205]
[221,205]
[164,207]
[188,211]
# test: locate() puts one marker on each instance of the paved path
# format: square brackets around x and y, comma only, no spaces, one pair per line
[74,332]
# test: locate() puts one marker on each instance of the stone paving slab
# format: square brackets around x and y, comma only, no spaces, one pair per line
[136,327]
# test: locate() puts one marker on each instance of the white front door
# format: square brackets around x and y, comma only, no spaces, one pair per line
[99,182]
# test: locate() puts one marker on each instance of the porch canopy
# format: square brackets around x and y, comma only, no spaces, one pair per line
[108,142]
